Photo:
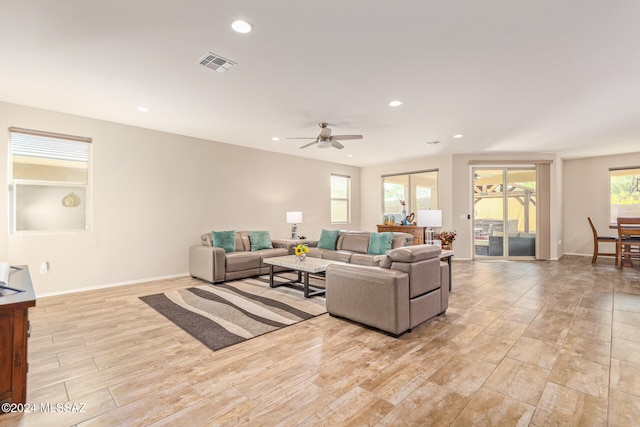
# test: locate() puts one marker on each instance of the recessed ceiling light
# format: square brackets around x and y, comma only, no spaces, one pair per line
[143,109]
[275,138]
[349,155]
[459,135]
[241,26]
[395,103]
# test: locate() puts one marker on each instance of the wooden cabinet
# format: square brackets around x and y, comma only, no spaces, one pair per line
[14,330]
[415,230]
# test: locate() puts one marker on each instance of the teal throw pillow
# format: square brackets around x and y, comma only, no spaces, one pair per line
[224,239]
[328,239]
[380,243]
[260,240]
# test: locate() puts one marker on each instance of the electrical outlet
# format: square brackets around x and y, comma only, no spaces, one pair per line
[44,267]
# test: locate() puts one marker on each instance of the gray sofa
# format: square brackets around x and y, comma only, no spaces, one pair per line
[410,286]
[212,264]
[352,247]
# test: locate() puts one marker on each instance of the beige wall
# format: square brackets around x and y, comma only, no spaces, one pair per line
[586,187]
[154,193]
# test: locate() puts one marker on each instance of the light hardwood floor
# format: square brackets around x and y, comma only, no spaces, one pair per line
[523,343]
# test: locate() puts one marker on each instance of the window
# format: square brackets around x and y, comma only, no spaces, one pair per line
[624,194]
[419,190]
[340,199]
[49,179]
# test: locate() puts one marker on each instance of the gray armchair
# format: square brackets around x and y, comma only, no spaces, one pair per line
[410,286]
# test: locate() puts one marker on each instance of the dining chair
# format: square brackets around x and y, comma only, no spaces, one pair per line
[628,246]
[601,239]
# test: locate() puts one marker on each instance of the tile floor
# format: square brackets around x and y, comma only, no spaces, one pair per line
[523,343]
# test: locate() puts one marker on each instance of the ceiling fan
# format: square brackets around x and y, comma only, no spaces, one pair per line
[326,140]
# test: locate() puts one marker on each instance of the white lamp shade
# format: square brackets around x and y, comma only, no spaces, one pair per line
[294,217]
[430,218]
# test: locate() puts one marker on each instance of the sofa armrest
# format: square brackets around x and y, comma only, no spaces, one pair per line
[207,263]
[288,244]
[369,295]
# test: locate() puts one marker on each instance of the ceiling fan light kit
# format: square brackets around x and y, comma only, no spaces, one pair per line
[326,140]
[323,143]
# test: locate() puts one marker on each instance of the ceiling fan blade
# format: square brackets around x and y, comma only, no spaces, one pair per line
[346,137]
[336,144]
[309,144]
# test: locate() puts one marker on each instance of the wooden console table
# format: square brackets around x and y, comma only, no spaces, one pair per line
[15,300]
[416,230]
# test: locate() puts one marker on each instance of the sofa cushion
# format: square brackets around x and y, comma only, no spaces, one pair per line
[270,253]
[342,256]
[260,240]
[224,239]
[366,259]
[242,241]
[244,260]
[353,241]
[401,239]
[316,252]
[379,243]
[328,239]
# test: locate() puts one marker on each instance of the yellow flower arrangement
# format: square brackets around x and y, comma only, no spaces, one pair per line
[301,250]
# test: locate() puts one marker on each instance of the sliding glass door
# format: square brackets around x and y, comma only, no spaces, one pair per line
[504,212]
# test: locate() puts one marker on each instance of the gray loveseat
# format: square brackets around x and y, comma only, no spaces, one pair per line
[410,286]
[214,265]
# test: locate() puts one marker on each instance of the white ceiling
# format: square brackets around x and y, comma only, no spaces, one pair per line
[512,76]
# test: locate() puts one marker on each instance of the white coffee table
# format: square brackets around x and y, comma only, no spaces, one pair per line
[303,268]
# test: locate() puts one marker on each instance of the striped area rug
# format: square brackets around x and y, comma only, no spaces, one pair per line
[229,313]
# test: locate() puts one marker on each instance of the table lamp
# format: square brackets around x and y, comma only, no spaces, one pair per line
[429,218]
[294,218]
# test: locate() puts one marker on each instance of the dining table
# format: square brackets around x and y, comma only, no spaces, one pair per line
[628,243]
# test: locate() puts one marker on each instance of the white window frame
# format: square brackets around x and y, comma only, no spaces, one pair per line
[410,196]
[341,199]
[634,210]
[49,152]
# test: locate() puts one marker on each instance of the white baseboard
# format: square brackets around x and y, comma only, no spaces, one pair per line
[110,285]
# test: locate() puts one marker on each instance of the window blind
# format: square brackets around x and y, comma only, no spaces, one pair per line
[44,145]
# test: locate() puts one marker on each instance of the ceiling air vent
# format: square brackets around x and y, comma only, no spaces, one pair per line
[216,62]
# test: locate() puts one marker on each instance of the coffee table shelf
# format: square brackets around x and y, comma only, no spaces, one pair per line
[303,268]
